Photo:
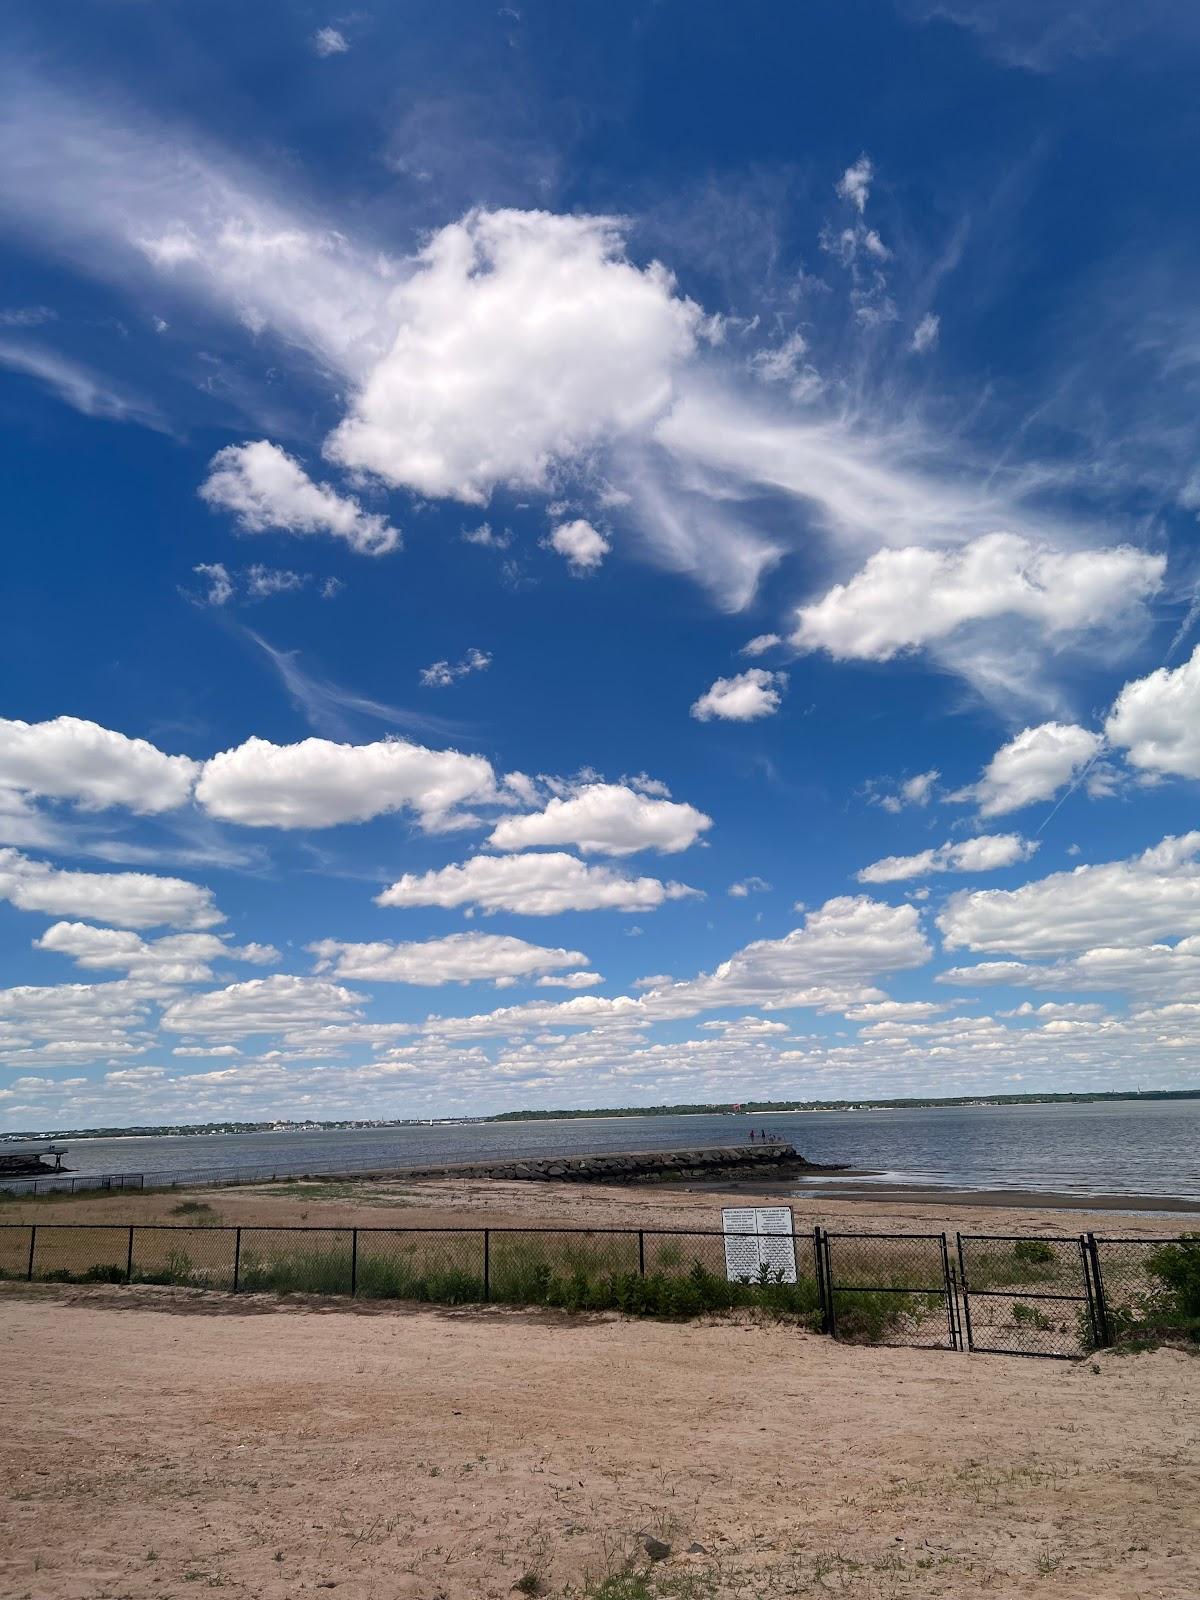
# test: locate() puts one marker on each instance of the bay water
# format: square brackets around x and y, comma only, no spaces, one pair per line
[1139,1147]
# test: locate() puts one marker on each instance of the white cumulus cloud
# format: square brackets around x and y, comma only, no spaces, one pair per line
[1135,902]
[1032,766]
[459,958]
[1156,720]
[751,694]
[903,599]
[535,885]
[70,759]
[175,958]
[261,1005]
[265,488]
[985,853]
[521,339]
[582,546]
[318,784]
[130,899]
[605,819]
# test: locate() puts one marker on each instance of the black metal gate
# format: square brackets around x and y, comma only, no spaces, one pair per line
[1029,1296]
[889,1288]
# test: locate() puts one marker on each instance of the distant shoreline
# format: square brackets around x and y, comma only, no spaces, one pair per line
[749,1109]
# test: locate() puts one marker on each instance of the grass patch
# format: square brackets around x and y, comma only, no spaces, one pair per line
[192,1208]
[1028,1263]
[102,1272]
[649,1586]
[303,1272]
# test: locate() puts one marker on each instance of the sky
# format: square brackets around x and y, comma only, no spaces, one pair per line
[575,556]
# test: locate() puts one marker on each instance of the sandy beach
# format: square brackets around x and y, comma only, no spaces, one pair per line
[466,1203]
[157,1439]
[156,1442]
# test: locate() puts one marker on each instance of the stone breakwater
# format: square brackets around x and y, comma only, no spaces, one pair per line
[637,1166]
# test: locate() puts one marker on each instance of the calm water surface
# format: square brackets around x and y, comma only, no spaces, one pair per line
[1130,1147]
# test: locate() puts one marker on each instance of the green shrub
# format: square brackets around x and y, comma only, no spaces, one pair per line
[868,1316]
[305,1272]
[1033,1252]
[103,1272]
[385,1278]
[1169,1310]
[1177,1268]
[177,1269]
[1030,1317]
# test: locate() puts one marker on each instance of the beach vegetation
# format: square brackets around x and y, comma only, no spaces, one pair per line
[873,1316]
[1165,1306]
[1027,1263]
[640,1585]
[1035,1252]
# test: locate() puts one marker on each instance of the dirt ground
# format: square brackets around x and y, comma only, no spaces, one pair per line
[468,1203]
[158,1442]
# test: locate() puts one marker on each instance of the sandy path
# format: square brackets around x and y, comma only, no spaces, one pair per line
[154,1444]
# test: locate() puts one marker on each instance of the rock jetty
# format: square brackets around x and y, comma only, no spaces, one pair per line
[637,1166]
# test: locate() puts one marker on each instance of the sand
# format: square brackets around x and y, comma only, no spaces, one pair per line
[467,1203]
[157,1442]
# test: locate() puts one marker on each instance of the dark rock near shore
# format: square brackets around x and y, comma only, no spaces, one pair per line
[762,1160]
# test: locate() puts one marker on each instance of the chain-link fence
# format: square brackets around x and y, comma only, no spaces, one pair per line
[1149,1289]
[15,1241]
[192,1257]
[448,1267]
[1027,1297]
[1035,1296]
[892,1288]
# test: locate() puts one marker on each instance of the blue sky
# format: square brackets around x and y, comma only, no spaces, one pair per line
[581,557]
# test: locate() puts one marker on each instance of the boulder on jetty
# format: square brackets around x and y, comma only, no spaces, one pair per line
[770,1159]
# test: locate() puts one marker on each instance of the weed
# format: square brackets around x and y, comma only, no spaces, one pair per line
[192,1208]
[650,1586]
[530,1583]
[1167,1309]
[1033,1252]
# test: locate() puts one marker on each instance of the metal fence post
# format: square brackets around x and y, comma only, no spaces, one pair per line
[819,1268]
[353,1262]
[487,1263]
[32,1243]
[237,1258]
[828,1259]
[641,1254]
[949,1295]
[129,1257]
[966,1290]
[1100,1317]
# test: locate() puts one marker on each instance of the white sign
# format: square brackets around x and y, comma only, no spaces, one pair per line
[749,1246]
